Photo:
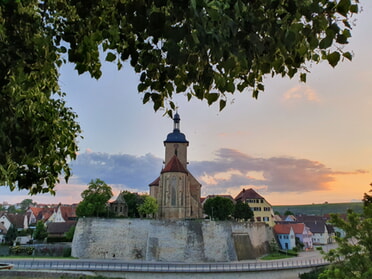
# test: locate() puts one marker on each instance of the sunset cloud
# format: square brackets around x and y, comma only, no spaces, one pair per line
[228,173]
[278,174]
[301,93]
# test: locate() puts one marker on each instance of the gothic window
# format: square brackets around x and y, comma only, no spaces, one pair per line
[173,189]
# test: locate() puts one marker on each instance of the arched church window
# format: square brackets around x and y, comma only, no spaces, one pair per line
[173,189]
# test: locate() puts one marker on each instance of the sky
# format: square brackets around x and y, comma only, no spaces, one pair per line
[296,144]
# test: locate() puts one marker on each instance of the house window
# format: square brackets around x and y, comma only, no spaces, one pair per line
[258,219]
[266,219]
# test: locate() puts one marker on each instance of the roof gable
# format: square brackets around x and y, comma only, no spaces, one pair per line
[174,165]
[248,194]
[283,228]
[155,182]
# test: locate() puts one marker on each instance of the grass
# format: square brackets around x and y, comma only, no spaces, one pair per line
[320,209]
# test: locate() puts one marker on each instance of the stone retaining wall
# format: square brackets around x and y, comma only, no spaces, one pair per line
[173,241]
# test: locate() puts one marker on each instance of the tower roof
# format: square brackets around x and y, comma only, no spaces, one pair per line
[174,165]
[176,135]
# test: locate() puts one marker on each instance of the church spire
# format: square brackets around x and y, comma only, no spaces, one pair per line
[176,121]
[176,135]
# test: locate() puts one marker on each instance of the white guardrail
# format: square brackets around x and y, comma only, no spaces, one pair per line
[162,267]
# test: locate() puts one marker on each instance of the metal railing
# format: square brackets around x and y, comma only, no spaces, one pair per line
[163,267]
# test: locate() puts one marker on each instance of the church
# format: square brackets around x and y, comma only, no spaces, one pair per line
[176,190]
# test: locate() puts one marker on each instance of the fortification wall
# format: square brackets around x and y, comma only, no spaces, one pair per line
[158,240]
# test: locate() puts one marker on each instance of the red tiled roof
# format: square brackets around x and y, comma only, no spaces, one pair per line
[298,228]
[282,228]
[155,182]
[174,165]
[36,210]
[248,194]
[68,212]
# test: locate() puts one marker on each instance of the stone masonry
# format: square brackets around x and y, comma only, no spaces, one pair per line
[170,241]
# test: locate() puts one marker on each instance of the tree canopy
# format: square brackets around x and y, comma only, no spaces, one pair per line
[204,49]
[149,207]
[134,201]
[242,211]
[40,232]
[353,256]
[95,199]
[219,208]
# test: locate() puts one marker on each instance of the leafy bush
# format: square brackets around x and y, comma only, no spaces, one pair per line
[21,250]
[312,274]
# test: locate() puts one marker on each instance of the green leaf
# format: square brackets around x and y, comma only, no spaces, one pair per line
[110,57]
[333,58]
[303,77]
[347,55]
[194,36]
[146,98]
[343,7]
[212,97]
[326,42]
[222,104]
[354,9]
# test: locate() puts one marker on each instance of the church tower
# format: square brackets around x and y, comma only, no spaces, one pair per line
[176,143]
[177,192]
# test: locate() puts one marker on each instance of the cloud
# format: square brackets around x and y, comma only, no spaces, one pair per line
[135,172]
[301,92]
[229,172]
[232,168]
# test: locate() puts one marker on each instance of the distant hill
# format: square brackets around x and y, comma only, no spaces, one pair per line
[320,209]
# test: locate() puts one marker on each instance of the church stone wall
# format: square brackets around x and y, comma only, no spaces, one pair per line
[164,240]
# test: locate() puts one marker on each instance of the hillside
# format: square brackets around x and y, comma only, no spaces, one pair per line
[320,209]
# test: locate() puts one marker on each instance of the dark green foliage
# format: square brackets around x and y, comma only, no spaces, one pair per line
[288,212]
[133,200]
[95,200]
[242,211]
[40,232]
[219,208]
[26,203]
[56,239]
[202,49]
[21,250]
[367,199]
[353,256]
[321,209]
[148,208]
[314,274]
[11,235]
[67,252]
[70,234]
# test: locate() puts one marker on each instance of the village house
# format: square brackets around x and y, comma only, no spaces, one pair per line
[19,221]
[285,235]
[119,206]
[3,232]
[63,213]
[323,233]
[301,231]
[262,209]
